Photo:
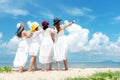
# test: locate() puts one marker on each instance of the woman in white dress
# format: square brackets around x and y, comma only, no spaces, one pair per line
[22,52]
[34,45]
[46,48]
[61,43]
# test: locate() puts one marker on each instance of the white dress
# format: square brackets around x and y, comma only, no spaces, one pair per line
[22,53]
[60,46]
[34,43]
[46,48]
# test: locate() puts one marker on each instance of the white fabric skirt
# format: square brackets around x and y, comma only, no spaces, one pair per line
[21,55]
[60,48]
[34,48]
[46,50]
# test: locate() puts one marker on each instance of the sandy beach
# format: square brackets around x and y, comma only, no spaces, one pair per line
[54,75]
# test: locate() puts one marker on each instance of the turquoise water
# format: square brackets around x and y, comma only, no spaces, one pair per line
[74,61]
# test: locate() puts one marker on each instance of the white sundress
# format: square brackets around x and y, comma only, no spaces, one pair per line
[46,48]
[22,53]
[34,43]
[60,46]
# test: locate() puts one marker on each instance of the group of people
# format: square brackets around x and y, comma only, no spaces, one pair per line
[53,46]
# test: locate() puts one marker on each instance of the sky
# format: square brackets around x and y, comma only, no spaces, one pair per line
[95,35]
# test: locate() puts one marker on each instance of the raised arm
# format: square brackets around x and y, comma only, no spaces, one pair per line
[25,34]
[52,35]
[67,25]
[53,31]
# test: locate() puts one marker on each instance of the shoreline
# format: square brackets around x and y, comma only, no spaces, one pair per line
[54,75]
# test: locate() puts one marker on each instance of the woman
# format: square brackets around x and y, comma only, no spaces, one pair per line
[61,43]
[22,52]
[34,45]
[46,48]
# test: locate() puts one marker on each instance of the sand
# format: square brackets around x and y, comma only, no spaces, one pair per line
[53,75]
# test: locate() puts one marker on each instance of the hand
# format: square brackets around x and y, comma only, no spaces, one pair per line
[73,21]
[31,33]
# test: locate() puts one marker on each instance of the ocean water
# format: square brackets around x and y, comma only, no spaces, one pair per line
[73,61]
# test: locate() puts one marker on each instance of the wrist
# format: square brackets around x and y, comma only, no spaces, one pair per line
[31,33]
[73,21]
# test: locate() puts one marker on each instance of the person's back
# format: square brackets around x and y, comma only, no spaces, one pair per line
[59,34]
[34,45]
[47,32]
[46,48]
[61,43]
[35,37]
[22,51]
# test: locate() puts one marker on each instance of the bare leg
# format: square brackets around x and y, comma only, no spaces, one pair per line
[35,65]
[31,63]
[44,67]
[21,69]
[50,66]
[58,65]
[65,64]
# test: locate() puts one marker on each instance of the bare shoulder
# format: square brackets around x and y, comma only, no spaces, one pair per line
[62,27]
[53,27]
[24,32]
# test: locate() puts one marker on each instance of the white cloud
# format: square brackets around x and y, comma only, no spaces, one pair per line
[1,35]
[78,38]
[77,11]
[29,24]
[91,17]
[98,44]
[3,1]
[2,44]
[117,18]
[12,45]
[47,15]
[87,9]
[7,7]
[16,12]
[98,39]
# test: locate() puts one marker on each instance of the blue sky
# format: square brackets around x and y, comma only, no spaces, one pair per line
[95,15]
[99,19]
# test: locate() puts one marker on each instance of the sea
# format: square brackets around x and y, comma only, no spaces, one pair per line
[73,62]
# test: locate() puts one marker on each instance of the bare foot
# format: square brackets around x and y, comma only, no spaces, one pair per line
[36,69]
[30,70]
[58,69]
[50,69]
[20,71]
[44,70]
[66,69]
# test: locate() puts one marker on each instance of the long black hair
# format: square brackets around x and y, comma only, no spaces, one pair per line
[19,31]
[45,27]
[57,26]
